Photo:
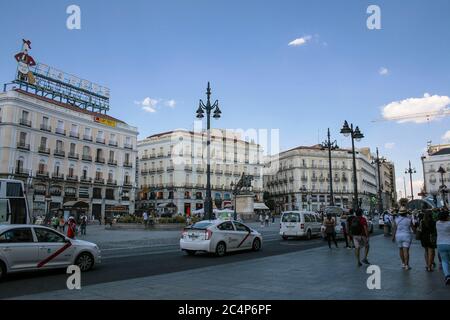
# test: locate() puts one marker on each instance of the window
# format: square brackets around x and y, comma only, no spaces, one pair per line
[240,227]
[71,170]
[86,151]
[60,125]
[14,189]
[72,148]
[290,217]
[18,235]
[25,115]
[307,218]
[43,144]
[44,235]
[59,145]
[45,121]
[226,226]
[23,138]
[111,156]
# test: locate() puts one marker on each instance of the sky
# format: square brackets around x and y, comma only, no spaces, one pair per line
[297,66]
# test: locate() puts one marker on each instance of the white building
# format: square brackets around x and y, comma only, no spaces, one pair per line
[66,154]
[437,156]
[172,169]
[298,179]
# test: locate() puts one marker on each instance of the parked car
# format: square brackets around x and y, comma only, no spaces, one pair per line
[219,237]
[300,224]
[32,247]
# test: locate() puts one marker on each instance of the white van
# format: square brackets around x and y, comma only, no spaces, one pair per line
[299,224]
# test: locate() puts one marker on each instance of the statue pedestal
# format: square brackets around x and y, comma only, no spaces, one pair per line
[244,206]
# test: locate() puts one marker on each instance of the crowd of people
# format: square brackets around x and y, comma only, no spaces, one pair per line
[430,227]
[58,222]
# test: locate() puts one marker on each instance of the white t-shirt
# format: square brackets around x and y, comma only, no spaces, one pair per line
[145,216]
[443,232]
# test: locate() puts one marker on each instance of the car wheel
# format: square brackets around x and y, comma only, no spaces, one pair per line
[2,270]
[221,249]
[191,252]
[256,246]
[284,237]
[308,235]
[85,261]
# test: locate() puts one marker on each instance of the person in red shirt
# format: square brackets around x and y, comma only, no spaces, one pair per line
[360,234]
[71,228]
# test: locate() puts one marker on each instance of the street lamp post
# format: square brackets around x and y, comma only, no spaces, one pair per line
[443,186]
[330,146]
[410,171]
[379,161]
[355,134]
[208,107]
[235,189]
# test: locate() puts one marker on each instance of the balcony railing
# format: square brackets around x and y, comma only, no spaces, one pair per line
[100,140]
[25,122]
[160,155]
[218,171]
[22,171]
[127,183]
[151,170]
[60,131]
[200,169]
[112,182]
[152,156]
[100,160]
[42,173]
[59,153]
[46,127]
[87,137]
[170,168]
[43,149]
[145,157]
[228,172]
[113,143]
[187,168]
[86,179]
[128,146]
[72,177]
[160,170]
[86,157]
[99,180]
[144,172]
[73,155]
[57,175]
[128,164]
[23,146]
[112,162]
[74,134]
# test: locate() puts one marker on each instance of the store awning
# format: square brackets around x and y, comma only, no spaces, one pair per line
[260,206]
[76,204]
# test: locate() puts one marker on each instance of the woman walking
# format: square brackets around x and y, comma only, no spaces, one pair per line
[403,235]
[443,243]
[427,235]
[330,232]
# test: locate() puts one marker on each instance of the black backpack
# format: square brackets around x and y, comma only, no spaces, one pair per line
[356,227]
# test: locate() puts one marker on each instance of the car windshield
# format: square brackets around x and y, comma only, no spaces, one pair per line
[201,225]
[291,217]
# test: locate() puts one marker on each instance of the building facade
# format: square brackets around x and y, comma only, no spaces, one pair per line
[298,179]
[66,154]
[172,169]
[437,157]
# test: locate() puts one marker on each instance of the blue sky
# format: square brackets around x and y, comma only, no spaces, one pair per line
[168,50]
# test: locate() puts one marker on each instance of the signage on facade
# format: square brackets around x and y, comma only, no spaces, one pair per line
[39,198]
[106,122]
[50,81]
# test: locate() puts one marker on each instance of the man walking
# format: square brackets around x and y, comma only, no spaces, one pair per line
[360,233]
[83,225]
[145,217]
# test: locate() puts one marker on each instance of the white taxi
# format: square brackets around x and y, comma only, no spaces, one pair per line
[33,247]
[219,237]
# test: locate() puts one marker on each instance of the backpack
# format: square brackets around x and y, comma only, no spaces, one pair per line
[356,227]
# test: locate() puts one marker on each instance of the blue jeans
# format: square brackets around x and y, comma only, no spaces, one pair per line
[444,251]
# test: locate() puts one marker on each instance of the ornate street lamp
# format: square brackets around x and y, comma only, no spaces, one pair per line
[443,187]
[202,107]
[330,146]
[355,134]
[410,171]
[379,161]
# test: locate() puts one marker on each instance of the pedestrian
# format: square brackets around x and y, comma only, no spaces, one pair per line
[330,230]
[403,235]
[83,225]
[145,217]
[360,233]
[261,219]
[443,243]
[55,222]
[62,224]
[266,219]
[71,228]
[273,218]
[351,215]
[343,219]
[427,234]
[387,219]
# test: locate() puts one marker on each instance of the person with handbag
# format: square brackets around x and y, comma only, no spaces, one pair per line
[330,224]
[427,234]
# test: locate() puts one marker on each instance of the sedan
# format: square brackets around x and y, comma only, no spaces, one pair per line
[32,247]
[219,237]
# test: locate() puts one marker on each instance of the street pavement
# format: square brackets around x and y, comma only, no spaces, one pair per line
[294,269]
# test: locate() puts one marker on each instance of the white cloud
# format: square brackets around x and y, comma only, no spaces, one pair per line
[383,71]
[416,109]
[389,145]
[148,104]
[170,103]
[300,41]
[446,136]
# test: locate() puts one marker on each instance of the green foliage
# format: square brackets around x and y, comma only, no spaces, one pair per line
[130,219]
